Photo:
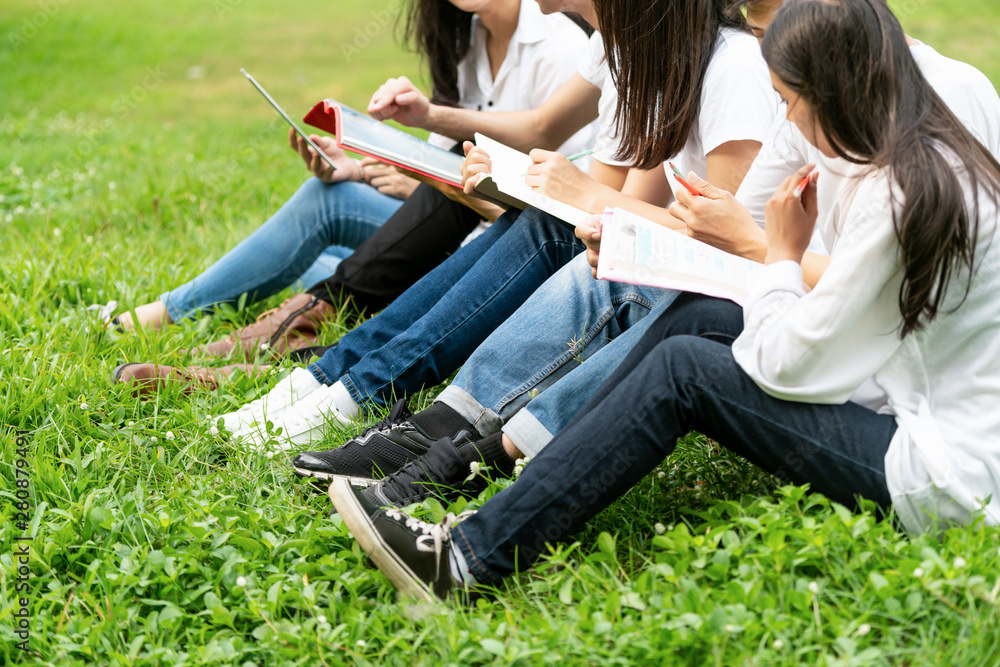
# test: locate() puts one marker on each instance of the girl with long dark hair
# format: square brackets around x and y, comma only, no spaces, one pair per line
[726,118]
[909,298]
[494,55]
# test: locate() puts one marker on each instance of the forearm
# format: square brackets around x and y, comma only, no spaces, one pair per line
[521,130]
[601,197]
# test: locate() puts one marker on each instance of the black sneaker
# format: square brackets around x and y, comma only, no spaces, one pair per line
[412,553]
[440,473]
[380,450]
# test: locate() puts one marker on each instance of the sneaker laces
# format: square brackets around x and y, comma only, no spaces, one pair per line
[396,417]
[434,535]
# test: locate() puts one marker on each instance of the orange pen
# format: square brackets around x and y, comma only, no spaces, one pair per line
[680,179]
[803,184]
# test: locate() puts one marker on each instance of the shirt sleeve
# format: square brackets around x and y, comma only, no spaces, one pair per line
[738,102]
[821,346]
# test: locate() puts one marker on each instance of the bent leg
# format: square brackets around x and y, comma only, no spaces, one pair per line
[439,342]
[413,304]
[684,383]
[279,251]
[421,235]
[689,314]
[568,320]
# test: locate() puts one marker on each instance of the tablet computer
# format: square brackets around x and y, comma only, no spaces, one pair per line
[289,120]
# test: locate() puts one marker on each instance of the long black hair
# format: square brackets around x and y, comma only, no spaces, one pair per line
[658,52]
[849,62]
[442,34]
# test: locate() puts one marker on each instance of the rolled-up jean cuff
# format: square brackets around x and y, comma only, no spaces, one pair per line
[318,374]
[485,420]
[527,433]
[482,575]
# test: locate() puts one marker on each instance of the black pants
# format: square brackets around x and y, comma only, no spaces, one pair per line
[419,236]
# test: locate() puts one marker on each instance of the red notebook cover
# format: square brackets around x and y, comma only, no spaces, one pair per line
[326,115]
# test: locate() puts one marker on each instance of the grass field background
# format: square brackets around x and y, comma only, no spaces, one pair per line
[132,154]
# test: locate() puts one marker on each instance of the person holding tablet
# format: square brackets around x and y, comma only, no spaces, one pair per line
[908,300]
[494,55]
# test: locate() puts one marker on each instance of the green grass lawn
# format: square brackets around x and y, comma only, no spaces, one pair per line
[132,154]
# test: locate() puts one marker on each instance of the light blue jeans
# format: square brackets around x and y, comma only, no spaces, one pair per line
[303,242]
[537,354]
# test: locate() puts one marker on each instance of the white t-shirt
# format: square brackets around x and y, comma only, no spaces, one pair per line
[595,71]
[737,102]
[543,54]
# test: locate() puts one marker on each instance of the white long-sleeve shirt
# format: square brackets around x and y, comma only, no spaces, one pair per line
[942,383]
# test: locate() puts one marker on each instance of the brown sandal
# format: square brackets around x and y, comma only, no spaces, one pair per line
[148,379]
[292,325]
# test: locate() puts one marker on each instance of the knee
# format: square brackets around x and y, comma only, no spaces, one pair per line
[691,362]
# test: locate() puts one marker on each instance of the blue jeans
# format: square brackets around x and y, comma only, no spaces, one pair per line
[566,321]
[429,331]
[294,245]
[666,388]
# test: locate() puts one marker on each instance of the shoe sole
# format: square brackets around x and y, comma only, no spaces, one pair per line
[359,482]
[361,526]
[116,374]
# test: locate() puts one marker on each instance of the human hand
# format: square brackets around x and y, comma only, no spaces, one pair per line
[401,101]
[347,169]
[387,179]
[488,210]
[477,164]
[589,231]
[719,219]
[789,220]
[555,176]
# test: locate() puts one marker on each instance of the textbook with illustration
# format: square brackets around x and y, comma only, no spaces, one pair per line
[640,252]
[506,184]
[362,134]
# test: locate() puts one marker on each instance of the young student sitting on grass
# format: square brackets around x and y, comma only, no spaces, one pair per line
[507,56]
[529,385]
[908,298]
[571,314]
[362,370]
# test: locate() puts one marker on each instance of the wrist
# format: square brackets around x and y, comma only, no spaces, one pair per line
[361,170]
[437,117]
[775,255]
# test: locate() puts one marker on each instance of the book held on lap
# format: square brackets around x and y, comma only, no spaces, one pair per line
[506,184]
[357,132]
[640,252]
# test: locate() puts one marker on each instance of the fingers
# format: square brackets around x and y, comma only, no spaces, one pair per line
[467,146]
[293,139]
[538,155]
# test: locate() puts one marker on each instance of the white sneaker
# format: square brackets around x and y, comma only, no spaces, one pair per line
[304,423]
[294,387]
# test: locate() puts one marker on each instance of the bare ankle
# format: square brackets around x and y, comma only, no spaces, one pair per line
[510,448]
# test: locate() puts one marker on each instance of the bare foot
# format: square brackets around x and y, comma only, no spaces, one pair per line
[152,315]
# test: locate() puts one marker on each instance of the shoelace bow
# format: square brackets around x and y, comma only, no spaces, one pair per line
[396,417]
[434,534]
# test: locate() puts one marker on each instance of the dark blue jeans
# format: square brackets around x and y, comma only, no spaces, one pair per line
[431,329]
[670,384]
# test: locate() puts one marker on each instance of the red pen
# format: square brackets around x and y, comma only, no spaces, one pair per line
[680,179]
[803,184]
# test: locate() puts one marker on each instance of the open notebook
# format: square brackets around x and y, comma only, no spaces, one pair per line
[640,252]
[506,184]
[357,132]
